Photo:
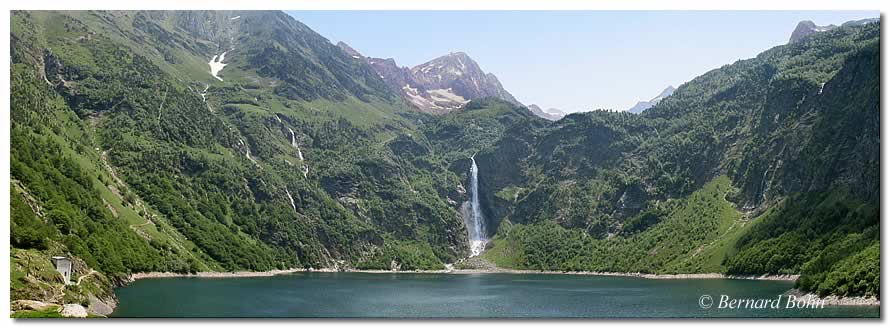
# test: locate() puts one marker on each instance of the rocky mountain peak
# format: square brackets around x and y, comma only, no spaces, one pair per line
[644,105]
[807,28]
[461,75]
[446,69]
[440,85]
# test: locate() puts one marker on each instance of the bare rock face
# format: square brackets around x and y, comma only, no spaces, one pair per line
[31,305]
[217,26]
[395,265]
[348,50]
[74,311]
[438,86]
[101,307]
[462,76]
[807,28]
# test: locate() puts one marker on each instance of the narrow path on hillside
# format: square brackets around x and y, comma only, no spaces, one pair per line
[79,279]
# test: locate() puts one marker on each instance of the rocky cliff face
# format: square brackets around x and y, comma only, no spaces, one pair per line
[807,28]
[440,85]
[349,51]
[462,76]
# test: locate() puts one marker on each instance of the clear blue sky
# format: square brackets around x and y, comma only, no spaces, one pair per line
[574,61]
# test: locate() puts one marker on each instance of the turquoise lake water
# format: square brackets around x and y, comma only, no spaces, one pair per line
[456,296]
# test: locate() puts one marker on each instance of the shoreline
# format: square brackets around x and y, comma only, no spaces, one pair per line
[214,274]
[249,274]
[640,274]
[834,300]
[831,300]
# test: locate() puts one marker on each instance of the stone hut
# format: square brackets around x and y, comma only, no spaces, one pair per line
[63,265]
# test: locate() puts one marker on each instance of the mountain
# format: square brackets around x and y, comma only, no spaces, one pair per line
[860,22]
[807,28]
[769,165]
[644,105]
[551,114]
[462,76]
[184,141]
[402,80]
[441,85]
[348,50]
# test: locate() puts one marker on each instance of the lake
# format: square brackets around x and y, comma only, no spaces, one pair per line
[455,295]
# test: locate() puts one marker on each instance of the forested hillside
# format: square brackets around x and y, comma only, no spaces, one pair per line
[130,155]
[766,166]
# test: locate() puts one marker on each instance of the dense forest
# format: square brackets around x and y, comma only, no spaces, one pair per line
[790,138]
[128,155]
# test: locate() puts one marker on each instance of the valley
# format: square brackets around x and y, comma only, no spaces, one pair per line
[211,142]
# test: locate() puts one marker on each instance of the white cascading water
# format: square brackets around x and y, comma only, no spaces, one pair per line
[247,152]
[246,149]
[293,142]
[291,198]
[477,229]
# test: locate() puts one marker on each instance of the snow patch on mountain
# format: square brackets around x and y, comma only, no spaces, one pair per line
[216,65]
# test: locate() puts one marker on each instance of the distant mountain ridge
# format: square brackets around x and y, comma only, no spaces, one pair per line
[644,105]
[807,28]
[443,84]
[551,114]
[440,85]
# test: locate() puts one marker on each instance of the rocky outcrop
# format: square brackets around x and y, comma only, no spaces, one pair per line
[807,28]
[101,307]
[31,305]
[74,311]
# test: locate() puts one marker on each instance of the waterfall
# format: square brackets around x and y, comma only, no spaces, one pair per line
[246,148]
[247,152]
[477,228]
[293,142]
[291,198]
[204,97]
[204,93]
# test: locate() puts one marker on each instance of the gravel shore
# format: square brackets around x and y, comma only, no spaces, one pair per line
[833,300]
[237,274]
[243,274]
